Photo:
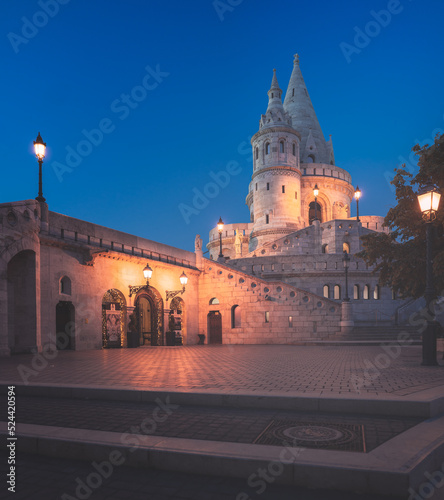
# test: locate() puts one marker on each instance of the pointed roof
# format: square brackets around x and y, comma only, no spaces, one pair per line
[300,108]
[275,114]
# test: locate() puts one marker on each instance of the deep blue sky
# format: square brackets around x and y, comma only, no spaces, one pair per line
[67,77]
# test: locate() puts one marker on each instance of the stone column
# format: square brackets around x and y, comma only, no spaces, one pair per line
[347,322]
[317,241]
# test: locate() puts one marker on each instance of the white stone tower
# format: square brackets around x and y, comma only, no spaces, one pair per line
[274,194]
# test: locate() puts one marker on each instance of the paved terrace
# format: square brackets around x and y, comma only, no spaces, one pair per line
[313,371]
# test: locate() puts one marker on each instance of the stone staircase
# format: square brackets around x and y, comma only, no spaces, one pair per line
[385,333]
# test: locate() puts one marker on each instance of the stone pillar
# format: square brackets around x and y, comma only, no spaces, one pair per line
[317,241]
[347,322]
[4,332]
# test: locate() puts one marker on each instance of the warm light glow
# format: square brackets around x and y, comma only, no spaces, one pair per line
[429,199]
[316,191]
[147,272]
[357,193]
[220,225]
[39,147]
[183,279]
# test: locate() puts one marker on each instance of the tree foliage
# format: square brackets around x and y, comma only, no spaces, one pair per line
[400,256]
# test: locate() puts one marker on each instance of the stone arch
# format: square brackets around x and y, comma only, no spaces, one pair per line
[153,296]
[22,313]
[177,306]
[65,285]
[114,319]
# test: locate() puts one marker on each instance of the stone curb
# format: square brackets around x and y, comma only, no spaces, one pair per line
[390,469]
[430,406]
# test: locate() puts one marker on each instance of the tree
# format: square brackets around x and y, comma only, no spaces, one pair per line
[399,257]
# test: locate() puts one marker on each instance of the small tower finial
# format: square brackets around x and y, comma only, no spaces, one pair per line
[296,59]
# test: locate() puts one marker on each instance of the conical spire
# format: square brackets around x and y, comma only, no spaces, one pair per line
[275,114]
[275,94]
[300,108]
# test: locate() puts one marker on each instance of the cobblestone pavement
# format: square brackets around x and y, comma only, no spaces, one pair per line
[264,369]
[192,422]
[45,478]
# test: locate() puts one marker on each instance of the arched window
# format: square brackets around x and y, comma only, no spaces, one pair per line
[337,292]
[366,292]
[310,159]
[346,247]
[214,301]
[267,148]
[235,316]
[311,212]
[281,146]
[356,292]
[65,285]
[325,248]
[376,292]
[256,152]
[294,149]
[326,291]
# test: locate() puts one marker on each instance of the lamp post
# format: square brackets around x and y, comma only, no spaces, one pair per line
[429,198]
[147,273]
[40,148]
[220,228]
[357,196]
[346,260]
[316,192]
[170,294]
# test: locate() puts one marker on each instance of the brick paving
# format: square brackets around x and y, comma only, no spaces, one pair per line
[304,370]
[45,478]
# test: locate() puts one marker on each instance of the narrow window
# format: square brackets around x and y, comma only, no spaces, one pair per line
[283,189]
[267,219]
[337,292]
[366,292]
[267,316]
[326,291]
[294,149]
[235,316]
[376,292]
[281,146]
[290,321]
[346,247]
[268,186]
[325,248]
[256,150]
[256,186]
[65,285]
[293,93]
[295,195]
[356,292]
[267,148]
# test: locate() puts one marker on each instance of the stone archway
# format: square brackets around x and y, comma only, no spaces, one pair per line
[22,302]
[113,319]
[214,324]
[177,308]
[148,313]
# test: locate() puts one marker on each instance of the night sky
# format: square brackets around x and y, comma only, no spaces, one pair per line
[76,74]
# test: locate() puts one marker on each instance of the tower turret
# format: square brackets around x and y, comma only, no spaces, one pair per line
[274,195]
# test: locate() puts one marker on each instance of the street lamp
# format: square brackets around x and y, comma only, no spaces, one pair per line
[316,192]
[357,196]
[170,294]
[220,228]
[428,199]
[345,261]
[147,273]
[39,148]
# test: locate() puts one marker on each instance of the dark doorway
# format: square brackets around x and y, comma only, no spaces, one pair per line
[311,212]
[65,325]
[214,327]
[146,314]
